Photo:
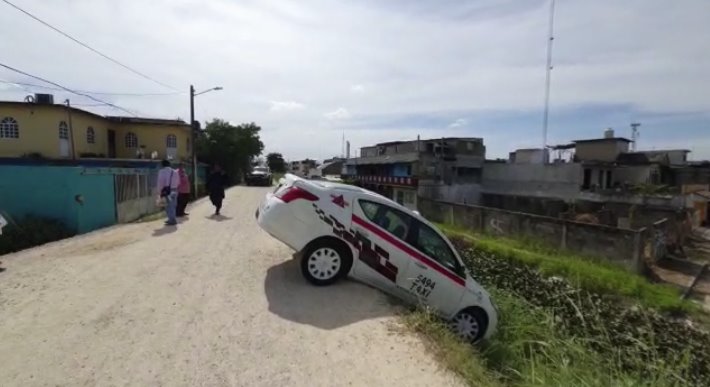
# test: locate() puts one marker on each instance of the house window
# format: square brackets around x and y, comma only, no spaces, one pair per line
[9,128]
[171,141]
[188,145]
[63,130]
[90,135]
[131,140]
[587,181]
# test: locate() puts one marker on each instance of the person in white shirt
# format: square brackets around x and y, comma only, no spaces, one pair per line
[168,181]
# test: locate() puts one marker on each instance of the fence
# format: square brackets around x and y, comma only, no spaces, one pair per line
[135,195]
[624,246]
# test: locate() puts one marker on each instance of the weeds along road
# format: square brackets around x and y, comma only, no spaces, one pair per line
[213,302]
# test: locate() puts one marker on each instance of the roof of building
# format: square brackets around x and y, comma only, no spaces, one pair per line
[385,159]
[611,139]
[144,120]
[426,140]
[645,157]
[122,119]
[49,105]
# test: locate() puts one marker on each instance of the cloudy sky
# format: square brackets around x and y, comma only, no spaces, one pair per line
[308,71]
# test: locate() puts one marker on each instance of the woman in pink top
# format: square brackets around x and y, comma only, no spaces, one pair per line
[183,191]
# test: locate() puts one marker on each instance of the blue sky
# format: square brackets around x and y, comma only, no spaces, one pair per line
[310,70]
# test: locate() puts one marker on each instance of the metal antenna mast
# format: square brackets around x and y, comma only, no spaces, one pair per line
[634,135]
[548,71]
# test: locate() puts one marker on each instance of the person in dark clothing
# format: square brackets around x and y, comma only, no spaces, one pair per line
[216,182]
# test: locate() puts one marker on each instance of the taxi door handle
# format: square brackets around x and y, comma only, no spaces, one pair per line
[420,265]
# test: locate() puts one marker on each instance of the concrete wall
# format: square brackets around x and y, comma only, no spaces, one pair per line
[39,130]
[153,137]
[553,180]
[529,156]
[82,199]
[456,193]
[622,246]
[637,174]
[600,150]
[39,133]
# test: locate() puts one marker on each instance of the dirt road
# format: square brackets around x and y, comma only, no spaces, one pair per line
[213,302]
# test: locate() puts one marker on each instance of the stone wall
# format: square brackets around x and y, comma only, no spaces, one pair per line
[622,246]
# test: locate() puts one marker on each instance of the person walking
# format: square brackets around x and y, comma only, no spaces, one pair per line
[216,182]
[168,182]
[183,191]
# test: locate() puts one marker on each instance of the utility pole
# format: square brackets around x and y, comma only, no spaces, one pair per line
[193,140]
[193,132]
[548,71]
[71,130]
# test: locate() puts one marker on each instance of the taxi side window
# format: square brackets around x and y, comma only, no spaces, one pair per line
[394,221]
[369,209]
[433,245]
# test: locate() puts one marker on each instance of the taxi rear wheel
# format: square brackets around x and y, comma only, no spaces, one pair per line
[325,261]
[469,324]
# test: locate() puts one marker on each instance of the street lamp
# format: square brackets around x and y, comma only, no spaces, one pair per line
[193,131]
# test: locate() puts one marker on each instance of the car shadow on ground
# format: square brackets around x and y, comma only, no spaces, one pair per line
[346,302]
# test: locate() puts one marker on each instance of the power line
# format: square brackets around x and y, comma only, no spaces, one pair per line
[87,46]
[67,89]
[95,92]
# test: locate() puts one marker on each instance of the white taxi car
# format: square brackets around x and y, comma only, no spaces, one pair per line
[342,230]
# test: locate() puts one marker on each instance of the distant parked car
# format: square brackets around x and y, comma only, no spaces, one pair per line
[341,230]
[259,176]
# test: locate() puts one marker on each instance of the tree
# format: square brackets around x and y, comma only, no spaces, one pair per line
[232,147]
[276,162]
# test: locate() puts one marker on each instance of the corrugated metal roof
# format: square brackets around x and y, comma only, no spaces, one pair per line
[385,159]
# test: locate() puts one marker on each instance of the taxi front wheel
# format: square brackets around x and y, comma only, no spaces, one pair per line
[470,324]
[325,262]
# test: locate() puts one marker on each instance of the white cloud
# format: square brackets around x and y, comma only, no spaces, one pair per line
[340,113]
[357,89]
[478,56]
[280,106]
[458,123]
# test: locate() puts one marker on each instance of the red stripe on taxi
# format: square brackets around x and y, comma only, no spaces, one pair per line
[408,250]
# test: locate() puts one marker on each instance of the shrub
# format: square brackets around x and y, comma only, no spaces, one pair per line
[31,231]
[596,275]
[635,339]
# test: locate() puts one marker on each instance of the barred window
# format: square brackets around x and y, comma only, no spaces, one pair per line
[131,140]
[63,130]
[9,128]
[171,141]
[90,135]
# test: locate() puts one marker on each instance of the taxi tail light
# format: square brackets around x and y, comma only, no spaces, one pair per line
[294,193]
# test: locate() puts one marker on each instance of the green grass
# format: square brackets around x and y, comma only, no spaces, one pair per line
[452,353]
[528,350]
[591,274]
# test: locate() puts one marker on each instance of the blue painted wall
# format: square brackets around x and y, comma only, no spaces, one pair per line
[50,191]
[400,170]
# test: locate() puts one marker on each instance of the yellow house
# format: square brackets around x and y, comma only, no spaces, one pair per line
[57,131]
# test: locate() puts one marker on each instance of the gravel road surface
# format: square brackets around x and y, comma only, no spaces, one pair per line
[212,302]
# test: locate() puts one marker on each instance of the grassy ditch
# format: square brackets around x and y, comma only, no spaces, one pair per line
[529,350]
[584,272]
[31,231]
[572,323]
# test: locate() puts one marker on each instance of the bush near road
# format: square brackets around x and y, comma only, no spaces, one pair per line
[568,329]
[31,231]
